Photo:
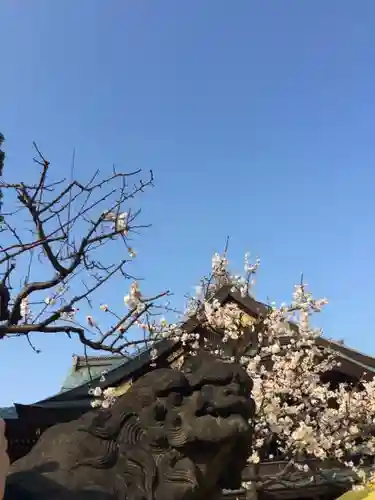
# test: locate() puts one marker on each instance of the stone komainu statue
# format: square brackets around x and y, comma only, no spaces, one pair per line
[175,435]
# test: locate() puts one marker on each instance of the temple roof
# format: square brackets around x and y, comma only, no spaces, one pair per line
[120,369]
[8,412]
[87,368]
[86,371]
[70,403]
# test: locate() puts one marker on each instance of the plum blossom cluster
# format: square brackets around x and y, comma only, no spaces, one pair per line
[103,398]
[219,277]
[299,416]
[120,221]
[139,312]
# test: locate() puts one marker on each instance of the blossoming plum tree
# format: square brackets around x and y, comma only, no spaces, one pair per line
[299,415]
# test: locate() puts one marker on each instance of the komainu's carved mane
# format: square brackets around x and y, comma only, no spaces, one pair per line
[174,435]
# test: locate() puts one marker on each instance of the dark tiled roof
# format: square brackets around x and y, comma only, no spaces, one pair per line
[8,412]
[116,374]
[88,369]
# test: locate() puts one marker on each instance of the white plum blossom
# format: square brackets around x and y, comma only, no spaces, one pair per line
[120,221]
[69,314]
[49,301]
[25,310]
[97,392]
[103,398]
[134,297]
[90,321]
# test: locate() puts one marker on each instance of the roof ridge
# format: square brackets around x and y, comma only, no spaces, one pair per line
[353,349]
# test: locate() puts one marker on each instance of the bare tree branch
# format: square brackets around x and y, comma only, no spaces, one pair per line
[75,229]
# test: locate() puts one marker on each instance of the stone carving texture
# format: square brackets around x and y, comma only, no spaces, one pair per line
[176,435]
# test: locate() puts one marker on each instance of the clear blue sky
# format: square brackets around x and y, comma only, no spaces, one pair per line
[257,117]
